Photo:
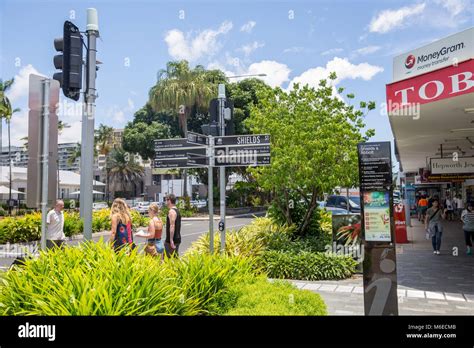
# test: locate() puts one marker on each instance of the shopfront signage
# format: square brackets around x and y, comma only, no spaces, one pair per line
[449,51]
[452,165]
[446,83]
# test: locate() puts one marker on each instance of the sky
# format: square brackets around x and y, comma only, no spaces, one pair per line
[297,41]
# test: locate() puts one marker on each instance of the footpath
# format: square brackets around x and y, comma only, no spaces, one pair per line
[428,284]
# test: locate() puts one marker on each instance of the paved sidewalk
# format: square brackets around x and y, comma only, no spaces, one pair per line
[428,284]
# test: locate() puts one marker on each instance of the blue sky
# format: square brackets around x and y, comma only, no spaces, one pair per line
[297,41]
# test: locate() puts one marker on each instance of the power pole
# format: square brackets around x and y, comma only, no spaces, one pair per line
[221,97]
[87,138]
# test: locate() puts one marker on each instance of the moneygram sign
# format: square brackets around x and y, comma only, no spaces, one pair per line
[446,52]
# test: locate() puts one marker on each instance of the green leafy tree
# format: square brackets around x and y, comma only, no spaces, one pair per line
[139,137]
[314,137]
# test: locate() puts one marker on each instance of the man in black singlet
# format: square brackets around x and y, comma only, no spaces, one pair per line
[173,227]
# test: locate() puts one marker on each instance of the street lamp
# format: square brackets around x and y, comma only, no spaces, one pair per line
[250,75]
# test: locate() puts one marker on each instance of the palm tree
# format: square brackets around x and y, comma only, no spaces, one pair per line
[75,154]
[103,137]
[123,168]
[4,103]
[8,118]
[6,112]
[180,88]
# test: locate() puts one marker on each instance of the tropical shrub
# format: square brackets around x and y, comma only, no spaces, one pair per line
[276,298]
[251,240]
[72,224]
[306,265]
[92,279]
[20,229]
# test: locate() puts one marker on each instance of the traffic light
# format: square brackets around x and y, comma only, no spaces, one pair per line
[70,61]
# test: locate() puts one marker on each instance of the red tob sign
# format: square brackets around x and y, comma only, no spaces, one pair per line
[440,84]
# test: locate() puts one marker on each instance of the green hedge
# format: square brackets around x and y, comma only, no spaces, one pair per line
[27,228]
[92,279]
[307,265]
[276,298]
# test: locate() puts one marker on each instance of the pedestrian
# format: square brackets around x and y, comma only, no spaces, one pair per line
[449,205]
[55,222]
[154,233]
[433,225]
[459,206]
[422,208]
[467,217]
[121,226]
[173,227]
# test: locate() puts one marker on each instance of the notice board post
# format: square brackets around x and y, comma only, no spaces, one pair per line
[378,229]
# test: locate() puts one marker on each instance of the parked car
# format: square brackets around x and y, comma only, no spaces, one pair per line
[199,203]
[340,202]
[99,206]
[142,207]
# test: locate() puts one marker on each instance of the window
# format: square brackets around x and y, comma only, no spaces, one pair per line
[331,201]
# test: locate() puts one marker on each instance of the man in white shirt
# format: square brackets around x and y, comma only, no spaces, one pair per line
[55,222]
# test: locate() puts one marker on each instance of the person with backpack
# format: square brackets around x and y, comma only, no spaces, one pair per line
[121,230]
[467,217]
[154,246]
[433,225]
[173,227]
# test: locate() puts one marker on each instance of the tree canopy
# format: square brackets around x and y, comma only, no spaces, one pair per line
[314,137]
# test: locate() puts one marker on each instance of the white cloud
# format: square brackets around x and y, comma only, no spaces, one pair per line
[247,49]
[332,51]
[18,128]
[72,134]
[388,20]
[454,7]
[367,50]
[343,68]
[119,115]
[277,73]
[248,27]
[181,46]
[20,87]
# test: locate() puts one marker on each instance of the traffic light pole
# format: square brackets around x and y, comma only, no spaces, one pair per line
[221,96]
[87,143]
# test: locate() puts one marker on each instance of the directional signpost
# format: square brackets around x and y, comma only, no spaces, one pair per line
[200,151]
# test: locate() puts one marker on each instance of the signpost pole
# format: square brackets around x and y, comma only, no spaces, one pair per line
[87,144]
[210,194]
[221,96]
[44,160]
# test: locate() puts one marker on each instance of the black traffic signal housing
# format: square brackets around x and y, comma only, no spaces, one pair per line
[213,127]
[70,61]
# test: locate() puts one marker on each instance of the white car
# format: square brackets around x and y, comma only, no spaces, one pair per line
[99,206]
[142,207]
[199,204]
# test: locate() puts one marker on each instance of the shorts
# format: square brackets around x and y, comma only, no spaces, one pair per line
[158,244]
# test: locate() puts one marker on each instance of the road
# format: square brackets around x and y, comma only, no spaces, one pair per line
[190,231]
